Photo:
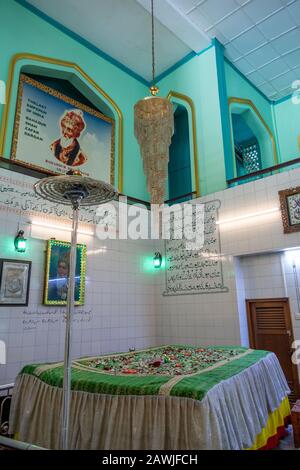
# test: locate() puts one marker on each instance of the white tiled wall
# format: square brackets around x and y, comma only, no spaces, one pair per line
[221,318]
[268,276]
[288,259]
[125,297]
[120,301]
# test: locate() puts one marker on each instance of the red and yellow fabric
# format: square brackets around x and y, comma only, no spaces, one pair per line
[274,429]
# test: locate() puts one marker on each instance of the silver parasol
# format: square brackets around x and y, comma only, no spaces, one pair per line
[73,190]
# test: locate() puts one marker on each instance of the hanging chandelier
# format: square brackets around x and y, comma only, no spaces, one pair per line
[153,129]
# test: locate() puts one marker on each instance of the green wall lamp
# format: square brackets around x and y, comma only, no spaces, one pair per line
[157,260]
[20,242]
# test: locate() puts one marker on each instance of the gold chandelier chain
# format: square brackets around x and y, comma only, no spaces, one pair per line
[153,45]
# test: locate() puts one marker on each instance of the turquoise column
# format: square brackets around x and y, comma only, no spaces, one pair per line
[224,109]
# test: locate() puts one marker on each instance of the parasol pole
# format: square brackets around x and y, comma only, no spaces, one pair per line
[74,190]
[68,331]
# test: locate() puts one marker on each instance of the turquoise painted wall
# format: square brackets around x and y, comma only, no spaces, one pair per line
[287,118]
[198,79]
[23,31]
[239,87]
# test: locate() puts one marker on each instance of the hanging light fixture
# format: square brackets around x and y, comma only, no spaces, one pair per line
[153,128]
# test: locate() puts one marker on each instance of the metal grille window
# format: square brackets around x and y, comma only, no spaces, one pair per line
[251,157]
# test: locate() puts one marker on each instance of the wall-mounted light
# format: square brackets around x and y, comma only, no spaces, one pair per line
[20,242]
[157,260]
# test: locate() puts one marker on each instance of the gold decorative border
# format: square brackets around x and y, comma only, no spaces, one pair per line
[187,99]
[66,99]
[283,195]
[37,58]
[250,103]
[50,244]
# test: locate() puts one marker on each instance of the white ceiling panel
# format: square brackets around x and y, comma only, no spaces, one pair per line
[258,10]
[216,10]
[200,20]
[268,89]
[242,2]
[256,78]
[262,56]
[287,42]
[294,10]
[185,5]
[244,66]
[232,53]
[283,81]
[274,69]
[234,25]
[261,37]
[292,58]
[249,41]
[277,25]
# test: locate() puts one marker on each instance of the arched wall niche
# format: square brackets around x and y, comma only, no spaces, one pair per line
[258,126]
[186,102]
[55,68]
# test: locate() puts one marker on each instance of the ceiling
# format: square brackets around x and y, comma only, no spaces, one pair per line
[261,37]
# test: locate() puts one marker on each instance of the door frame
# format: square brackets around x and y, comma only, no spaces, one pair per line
[295,371]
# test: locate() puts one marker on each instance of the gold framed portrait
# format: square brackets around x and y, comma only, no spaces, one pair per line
[57,273]
[54,133]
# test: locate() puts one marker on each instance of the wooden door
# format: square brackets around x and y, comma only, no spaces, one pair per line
[270,328]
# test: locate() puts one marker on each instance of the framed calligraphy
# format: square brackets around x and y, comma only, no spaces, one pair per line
[57,273]
[290,209]
[55,133]
[14,282]
[196,271]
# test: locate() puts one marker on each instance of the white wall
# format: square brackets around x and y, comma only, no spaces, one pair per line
[270,275]
[120,296]
[220,318]
[125,298]
[262,277]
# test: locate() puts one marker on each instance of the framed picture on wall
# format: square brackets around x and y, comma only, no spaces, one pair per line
[290,209]
[14,282]
[55,133]
[57,273]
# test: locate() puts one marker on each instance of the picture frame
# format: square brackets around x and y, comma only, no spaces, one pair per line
[14,282]
[57,272]
[55,134]
[290,209]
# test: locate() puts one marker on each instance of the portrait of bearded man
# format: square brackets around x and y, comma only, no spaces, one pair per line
[67,149]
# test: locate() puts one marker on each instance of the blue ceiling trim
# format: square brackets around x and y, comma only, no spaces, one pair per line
[81,40]
[181,62]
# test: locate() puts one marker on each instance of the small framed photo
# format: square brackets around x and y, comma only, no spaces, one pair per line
[14,282]
[290,209]
[57,273]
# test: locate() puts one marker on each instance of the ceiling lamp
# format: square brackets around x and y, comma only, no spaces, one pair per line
[153,128]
